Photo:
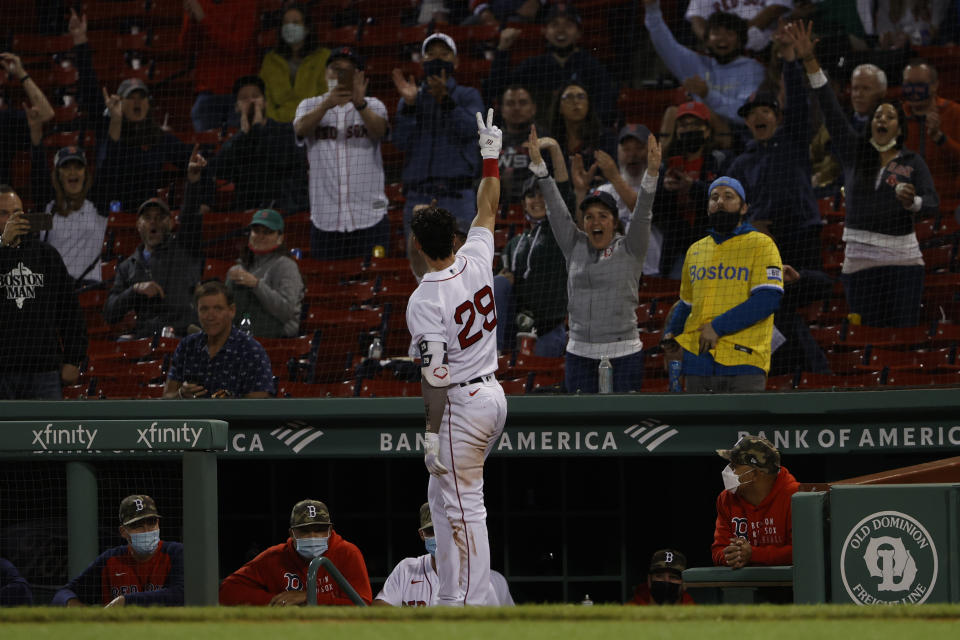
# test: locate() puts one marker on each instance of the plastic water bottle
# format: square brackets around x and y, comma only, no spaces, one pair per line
[605,376]
[587,602]
[673,371]
[375,352]
[246,325]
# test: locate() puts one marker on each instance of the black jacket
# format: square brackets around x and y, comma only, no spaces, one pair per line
[38,311]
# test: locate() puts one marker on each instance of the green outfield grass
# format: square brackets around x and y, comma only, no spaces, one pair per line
[546,622]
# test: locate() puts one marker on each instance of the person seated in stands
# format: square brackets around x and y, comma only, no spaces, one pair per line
[436,128]
[724,79]
[604,268]
[14,588]
[518,111]
[43,337]
[145,571]
[414,581]
[575,126]
[901,23]
[775,169]
[296,68]
[886,188]
[530,292]
[158,280]
[15,123]
[262,159]
[754,525]
[266,281]
[221,361]
[277,577]
[664,585]
[563,62]
[692,161]
[342,130]
[222,37]
[761,18]
[79,226]
[933,126]
[134,149]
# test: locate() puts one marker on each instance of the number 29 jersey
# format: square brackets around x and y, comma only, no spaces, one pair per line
[455,306]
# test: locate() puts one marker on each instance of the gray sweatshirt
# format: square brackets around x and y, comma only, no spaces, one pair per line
[274,304]
[602,286]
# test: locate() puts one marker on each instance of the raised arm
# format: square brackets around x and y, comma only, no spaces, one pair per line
[561,223]
[488,194]
[638,235]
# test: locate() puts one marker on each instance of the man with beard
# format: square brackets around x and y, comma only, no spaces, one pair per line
[664,583]
[518,110]
[724,79]
[732,282]
[563,63]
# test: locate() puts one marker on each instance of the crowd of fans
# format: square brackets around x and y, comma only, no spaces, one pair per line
[762,102]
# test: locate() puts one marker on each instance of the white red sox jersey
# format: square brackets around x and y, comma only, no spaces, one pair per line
[414,583]
[455,306]
[346,168]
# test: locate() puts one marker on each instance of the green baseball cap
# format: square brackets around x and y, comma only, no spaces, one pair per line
[426,520]
[309,512]
[268,218]
[754,451]
[668,560]
[137,507]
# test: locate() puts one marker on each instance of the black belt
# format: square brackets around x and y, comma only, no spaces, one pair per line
[477,380]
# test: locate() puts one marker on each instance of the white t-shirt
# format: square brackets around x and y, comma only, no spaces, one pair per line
[78,238]
[414,583]
[346,168]
[455,306]
[746,9]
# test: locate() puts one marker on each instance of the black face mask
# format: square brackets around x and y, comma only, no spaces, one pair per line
[689,141]
[664,592]
[563,52]
[723,221]
[436,67]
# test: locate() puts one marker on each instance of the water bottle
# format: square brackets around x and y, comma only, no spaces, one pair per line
[379,251]
[587,602]
[375,352]
[673,371]
[605,376]
[246,325]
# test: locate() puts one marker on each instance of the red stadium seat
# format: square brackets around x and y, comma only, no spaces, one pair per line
[28,43]
[516,387]
[823,381]
[388,389]
[941,360]
[923,379]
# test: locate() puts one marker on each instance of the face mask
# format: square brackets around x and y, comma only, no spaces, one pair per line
[689,141]
[915,91]
[731,481]
[145,543]
[724,221]
[435,67]
[431,545]
[311,548]
[292,33]
[664,592]
[563,52]
[331,83]
[883,147]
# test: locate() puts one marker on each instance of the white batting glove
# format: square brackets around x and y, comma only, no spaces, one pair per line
[491,138]
[431,455]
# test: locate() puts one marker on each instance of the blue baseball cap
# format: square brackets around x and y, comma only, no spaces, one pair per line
[726,181]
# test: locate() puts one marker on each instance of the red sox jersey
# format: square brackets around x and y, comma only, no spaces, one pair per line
[158,580]
[414,583]
[455,306]
[281,568]
[767,526]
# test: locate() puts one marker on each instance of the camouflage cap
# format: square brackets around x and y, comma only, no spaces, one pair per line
[137,507]
[426,520]
[754,451]
[308,512]
[668,560]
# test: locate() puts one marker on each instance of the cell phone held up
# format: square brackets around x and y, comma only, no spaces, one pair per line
[39,221]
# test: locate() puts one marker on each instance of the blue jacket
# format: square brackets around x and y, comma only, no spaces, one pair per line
[776,172]
[439,140]
[14,589]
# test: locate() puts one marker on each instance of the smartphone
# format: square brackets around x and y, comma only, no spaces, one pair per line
[39,221]
[345,78]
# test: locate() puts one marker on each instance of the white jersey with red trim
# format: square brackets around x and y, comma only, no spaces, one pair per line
[455,306]
[414,583]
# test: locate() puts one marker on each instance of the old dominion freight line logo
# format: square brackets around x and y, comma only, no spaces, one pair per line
[888,558]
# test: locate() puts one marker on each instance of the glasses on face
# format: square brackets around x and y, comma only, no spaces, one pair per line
[574,97]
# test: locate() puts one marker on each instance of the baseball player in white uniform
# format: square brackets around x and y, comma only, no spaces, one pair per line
[452,318]
[414,581]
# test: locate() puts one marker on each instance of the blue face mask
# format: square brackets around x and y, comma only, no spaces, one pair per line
[145,543]
[435,66]
[431,545]
[311,548]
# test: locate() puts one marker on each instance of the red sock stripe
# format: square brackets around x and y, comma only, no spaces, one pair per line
[491,168]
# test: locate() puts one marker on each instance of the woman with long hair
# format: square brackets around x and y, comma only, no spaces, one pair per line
[296,69]
[886,187]
[577,129]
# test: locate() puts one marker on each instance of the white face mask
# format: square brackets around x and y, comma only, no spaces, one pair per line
[331,83]
[731,481]
[293,33]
